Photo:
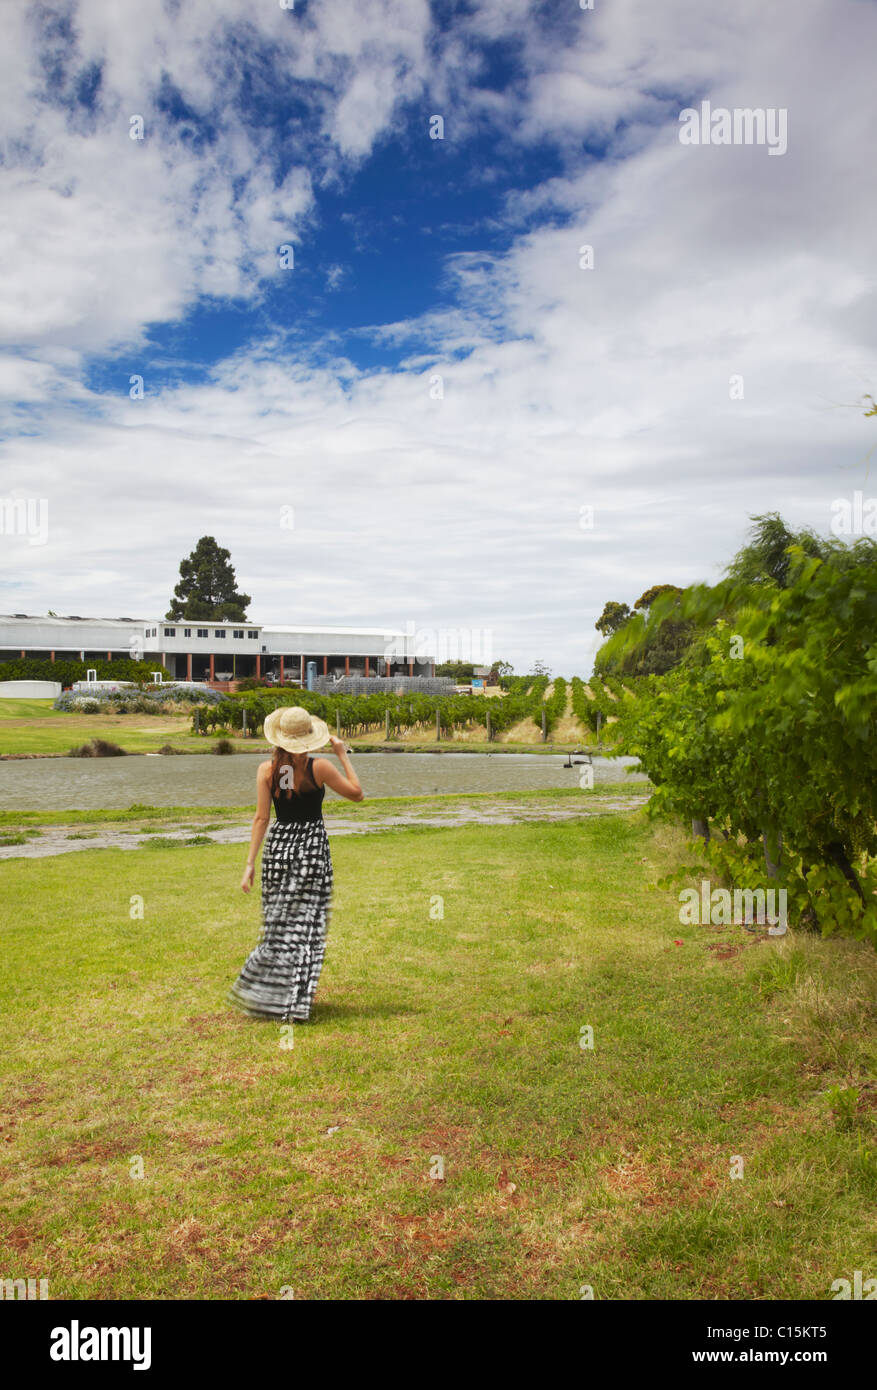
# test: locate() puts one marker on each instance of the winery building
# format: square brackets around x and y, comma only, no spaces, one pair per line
[216,652]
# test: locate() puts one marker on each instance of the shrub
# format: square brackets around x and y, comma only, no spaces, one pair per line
[97,748]
[68,671]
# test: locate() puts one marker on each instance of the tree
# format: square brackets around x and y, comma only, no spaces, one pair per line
[540,669]
[772,735]
[613,617]
[459,671]
[766,558]
[637,647]
[647,599]
[207,590]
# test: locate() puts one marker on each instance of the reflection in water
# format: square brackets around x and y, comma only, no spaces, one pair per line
[65,784]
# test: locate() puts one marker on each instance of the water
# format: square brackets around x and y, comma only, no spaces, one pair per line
[192,779]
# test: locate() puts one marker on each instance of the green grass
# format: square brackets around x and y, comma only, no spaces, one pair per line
[33,726]
[24,709]
[455,1039]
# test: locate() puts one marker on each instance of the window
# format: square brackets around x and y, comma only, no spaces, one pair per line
[202,632]
[238,632]
[170,632]
[219,632]
[187,632]
[253,635]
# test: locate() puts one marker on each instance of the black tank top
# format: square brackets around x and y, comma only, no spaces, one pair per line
[302,805]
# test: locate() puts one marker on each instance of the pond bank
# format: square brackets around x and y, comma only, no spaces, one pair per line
[50,840]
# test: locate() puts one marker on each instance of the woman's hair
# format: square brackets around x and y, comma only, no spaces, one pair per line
[295,780]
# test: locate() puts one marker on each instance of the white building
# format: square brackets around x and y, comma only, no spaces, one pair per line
[215,651]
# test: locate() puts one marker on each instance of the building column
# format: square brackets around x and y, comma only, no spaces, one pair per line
[367,672]
[302,674]
[411,668]
[347,665]
[22,656]
[432,669]
[109,656]
[325,665]
[51,656]
[258,663]
[281,670]
[188,666]
[211,666]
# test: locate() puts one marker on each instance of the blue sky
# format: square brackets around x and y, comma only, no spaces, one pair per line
[561,388]
[375,246]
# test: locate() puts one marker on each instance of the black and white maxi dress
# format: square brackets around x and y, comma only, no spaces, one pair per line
[279,978]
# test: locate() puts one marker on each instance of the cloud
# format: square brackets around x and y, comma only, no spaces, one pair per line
[562,387]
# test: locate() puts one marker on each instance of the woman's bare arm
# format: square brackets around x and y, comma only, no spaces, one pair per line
[345,783]
[260,822]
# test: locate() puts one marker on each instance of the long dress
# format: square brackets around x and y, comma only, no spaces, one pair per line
[279,978]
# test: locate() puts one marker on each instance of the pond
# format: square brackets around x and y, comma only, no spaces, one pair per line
[192,779]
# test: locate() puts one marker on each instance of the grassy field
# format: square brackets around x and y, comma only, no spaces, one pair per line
[33,726]
[436,1131]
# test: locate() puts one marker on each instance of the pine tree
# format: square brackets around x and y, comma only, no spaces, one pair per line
[208,588]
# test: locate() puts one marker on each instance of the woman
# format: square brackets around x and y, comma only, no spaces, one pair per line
[279,978]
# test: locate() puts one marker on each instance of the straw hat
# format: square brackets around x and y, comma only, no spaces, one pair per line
[292,728]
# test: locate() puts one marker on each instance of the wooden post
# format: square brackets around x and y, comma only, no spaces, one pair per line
[386,726]
[544,728]
[489,730]
[438,726]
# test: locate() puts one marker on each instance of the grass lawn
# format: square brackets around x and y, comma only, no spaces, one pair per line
[33,726]
[437,1044]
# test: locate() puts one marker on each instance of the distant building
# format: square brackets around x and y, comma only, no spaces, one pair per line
[215,652]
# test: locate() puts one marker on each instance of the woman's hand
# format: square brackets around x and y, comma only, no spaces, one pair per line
[247,880]
[338,745]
